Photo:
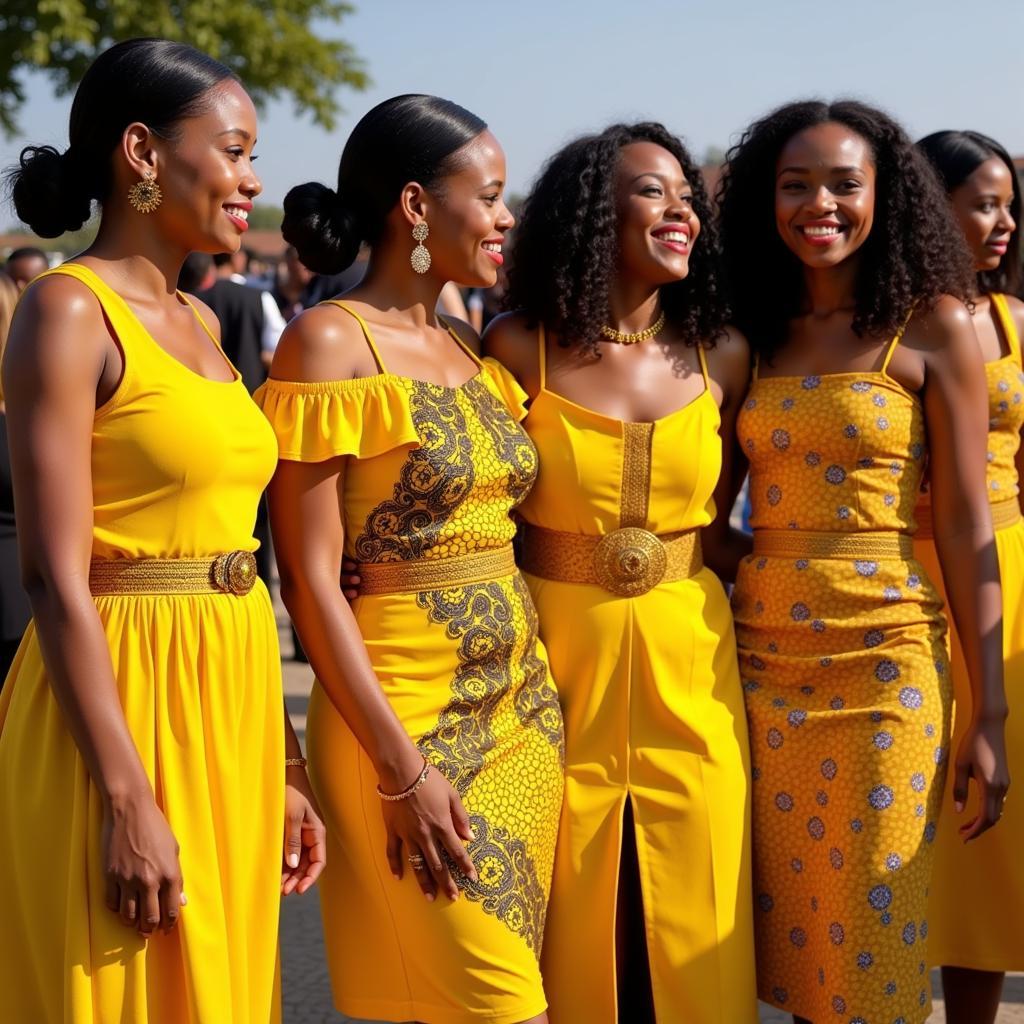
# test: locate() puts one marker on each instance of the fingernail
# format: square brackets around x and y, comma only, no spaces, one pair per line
[959,805]
[430,897]
[293,860]
[184,900]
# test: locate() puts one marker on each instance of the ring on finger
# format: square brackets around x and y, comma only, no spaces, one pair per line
[417,862]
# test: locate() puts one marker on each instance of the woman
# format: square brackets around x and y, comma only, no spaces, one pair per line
[866,363]
[435,737]
[621,344]
[143,744]
[986,876]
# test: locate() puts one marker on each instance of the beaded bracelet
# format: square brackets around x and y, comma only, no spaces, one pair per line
[297,762]
[409,790]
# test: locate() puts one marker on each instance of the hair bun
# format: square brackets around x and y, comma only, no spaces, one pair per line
[322,227]
[48,195]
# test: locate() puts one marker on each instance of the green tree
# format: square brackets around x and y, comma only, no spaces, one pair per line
[265,217]
[270,44]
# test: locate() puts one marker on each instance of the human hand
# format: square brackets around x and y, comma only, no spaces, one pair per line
[350,579]
[425,825]
[305,838]
[144,881]
[982,756]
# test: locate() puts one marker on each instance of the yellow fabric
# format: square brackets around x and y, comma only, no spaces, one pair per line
[178,466]
[466,675]
[848,698]
[977,896]
[654,715]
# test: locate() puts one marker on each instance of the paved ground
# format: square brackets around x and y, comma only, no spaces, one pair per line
[307,998]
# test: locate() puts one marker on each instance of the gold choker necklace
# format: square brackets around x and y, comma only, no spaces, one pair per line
[624,338]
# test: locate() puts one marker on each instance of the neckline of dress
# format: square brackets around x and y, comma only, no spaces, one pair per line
[544,390]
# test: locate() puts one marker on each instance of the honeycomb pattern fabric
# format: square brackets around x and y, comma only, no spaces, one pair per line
[847,688]
[466,674]
[987,874]
[653,715]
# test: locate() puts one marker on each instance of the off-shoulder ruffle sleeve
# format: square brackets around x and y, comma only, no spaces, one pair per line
[315,421]
[506,387]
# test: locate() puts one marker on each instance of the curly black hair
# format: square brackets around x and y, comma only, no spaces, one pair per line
[912,257]
[565,250]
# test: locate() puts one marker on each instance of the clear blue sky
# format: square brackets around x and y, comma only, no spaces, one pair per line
[542,71]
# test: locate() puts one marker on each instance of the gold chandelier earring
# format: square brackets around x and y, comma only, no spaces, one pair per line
[420,258]
[145,195]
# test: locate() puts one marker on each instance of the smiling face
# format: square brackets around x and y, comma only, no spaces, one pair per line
[467,216]
[825,194]
[982,206]
[657,224]
[206,173]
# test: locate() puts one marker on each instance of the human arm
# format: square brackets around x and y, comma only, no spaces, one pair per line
[59,363]
[306,511]
[305,839]
[729,370]
[956,416]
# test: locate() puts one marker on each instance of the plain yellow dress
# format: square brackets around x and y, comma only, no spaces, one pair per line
[654,715]
[178,465]
[842,651]
[430,477]
[977,897]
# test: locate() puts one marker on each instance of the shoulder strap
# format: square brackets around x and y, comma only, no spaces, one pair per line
[702,356]
[458,340]
[756,366]
[892,346]
[117,311]
[1006,322]
[542,355]
[365,329]
[202,323]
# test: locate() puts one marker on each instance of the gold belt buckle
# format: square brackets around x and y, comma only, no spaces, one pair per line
[630,561]
[234,572]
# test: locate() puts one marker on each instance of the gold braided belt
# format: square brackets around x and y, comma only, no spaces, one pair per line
[627,562]
[422,574]
[230,573]
[881,544]
[1004,513]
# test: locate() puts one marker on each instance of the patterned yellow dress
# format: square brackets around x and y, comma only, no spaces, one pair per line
[647,675]
[431,476]
[842,653]
[977,901]
[178,465]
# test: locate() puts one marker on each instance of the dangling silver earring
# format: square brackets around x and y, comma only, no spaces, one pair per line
[420,258]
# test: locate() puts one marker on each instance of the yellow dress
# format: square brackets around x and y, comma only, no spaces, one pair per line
[653,714]
[977,897]
[178,465]
[431,474]
[842,653]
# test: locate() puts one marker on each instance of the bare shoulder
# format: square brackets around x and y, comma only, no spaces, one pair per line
[58,320]
[467,335]
[933,330]
[206,314]
[729,363]
[509,340]
[320,344]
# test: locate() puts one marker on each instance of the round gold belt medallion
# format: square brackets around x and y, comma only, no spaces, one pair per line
[630,561]
[235,572]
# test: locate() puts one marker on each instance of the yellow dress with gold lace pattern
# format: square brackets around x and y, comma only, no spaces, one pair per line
[431,473]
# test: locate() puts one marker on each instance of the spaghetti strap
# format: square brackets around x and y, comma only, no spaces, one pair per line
[883,370]
[365,329]
[542,356]
[701,355]
[756,366]
[202,323]
[455,334]
[1002,309]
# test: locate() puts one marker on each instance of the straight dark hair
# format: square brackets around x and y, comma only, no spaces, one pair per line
[955,157]
[154,81]
[406,138]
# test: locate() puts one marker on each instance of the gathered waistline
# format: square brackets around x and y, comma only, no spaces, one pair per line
[1005,512]
[882,544]
[422,574]
[231,573]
